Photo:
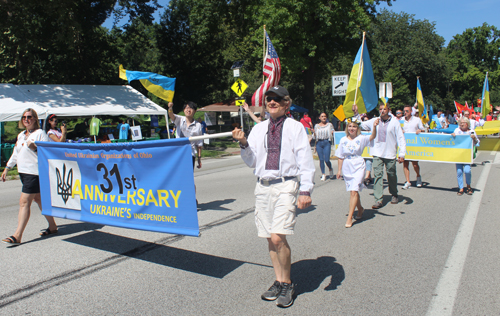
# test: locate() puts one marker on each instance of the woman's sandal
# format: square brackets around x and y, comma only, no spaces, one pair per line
[11,240]
[469,191]
[460,192]
[47,232]
[360,214]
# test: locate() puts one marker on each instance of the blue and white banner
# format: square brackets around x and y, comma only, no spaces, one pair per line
[146,185]
[430,147]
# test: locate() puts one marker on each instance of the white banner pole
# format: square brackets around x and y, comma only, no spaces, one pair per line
[207,136]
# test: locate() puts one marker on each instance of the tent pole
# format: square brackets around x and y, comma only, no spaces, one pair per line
[166,123]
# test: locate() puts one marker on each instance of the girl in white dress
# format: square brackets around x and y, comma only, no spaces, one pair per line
[352,165]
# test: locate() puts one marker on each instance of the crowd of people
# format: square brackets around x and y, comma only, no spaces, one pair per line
[279,149]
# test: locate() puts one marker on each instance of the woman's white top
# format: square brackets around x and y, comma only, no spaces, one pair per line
[55,132]
[458,131]
[25,158]
[323,132]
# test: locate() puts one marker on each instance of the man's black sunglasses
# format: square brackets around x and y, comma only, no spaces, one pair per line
[277,99]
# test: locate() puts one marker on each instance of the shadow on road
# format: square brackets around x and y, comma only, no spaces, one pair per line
[305,211]
[309,274]
[216,205]
[176,258]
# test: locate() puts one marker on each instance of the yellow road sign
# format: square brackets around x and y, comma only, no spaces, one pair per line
[239,87]
[239,102]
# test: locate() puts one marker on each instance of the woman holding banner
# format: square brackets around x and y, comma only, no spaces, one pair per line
[351,163]
[26,158]
[464,129]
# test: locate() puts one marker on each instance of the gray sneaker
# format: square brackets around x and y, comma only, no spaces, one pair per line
[394,199]
[273,292]
[285,299]
[419,182]
[377,205]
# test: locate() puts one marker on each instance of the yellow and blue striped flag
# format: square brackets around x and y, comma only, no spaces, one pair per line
[161,86]
[422,109]
[485,100]
[363,82]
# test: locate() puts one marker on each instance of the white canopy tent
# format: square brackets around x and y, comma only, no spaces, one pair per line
[74,100]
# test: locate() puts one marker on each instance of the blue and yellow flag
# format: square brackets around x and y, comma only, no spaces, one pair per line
[161,86]
[422,109]
[361,84]
[485,100]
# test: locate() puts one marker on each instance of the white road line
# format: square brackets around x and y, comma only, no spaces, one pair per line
[446,291]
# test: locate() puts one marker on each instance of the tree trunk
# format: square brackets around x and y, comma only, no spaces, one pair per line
[308,96]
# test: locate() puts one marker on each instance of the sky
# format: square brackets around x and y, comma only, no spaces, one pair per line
[451,17]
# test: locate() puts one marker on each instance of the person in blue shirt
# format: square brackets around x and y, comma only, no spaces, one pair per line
[203,125]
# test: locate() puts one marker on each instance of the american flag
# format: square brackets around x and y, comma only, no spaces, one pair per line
[272,70]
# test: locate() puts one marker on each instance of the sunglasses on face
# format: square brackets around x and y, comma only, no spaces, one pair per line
[275,99]
[27,117]
[399,112]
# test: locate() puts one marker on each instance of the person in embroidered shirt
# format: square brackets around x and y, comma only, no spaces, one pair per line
[279,151]
[412,124]
[389,137]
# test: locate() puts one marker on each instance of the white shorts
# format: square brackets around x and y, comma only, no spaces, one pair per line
[275,208]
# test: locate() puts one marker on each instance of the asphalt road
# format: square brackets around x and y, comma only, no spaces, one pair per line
[434,253]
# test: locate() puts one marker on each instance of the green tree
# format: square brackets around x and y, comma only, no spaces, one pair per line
[402,49]
[44,41]
[470,55]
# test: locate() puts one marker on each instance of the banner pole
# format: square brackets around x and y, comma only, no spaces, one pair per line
[264,54]
[207,136]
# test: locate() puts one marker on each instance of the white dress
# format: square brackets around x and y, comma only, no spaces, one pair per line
[353,167]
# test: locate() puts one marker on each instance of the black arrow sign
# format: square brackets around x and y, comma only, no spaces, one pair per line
[340,85]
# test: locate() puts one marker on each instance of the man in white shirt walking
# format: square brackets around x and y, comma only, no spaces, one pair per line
[279,151]
[389,137]
[412,124]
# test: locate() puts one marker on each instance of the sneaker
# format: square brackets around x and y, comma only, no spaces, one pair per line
[331,173]
[285,298]
[419,182]
[273,292]
[394,199]
[377,205]
[406,186]
[323,178]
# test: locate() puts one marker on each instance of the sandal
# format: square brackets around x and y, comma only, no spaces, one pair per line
[469,191]
[460,192]
[11,240]
[360,214]
[47,232]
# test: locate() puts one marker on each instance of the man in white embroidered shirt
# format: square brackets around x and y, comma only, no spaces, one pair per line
[384,151]
[279,151]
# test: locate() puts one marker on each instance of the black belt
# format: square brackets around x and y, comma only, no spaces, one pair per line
[274,181]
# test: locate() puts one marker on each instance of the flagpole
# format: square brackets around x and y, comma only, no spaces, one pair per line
[482,99]
[264,54]
[360,68]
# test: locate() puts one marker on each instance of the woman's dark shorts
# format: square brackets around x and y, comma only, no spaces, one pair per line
[31,183]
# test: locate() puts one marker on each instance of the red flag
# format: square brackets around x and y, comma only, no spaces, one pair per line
[459,107]
[272,70]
